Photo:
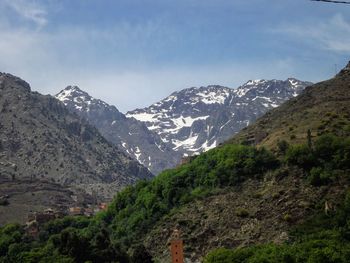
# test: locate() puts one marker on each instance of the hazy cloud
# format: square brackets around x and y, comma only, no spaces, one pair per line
[51,61]
[30,10]
[132,63]
[331,34]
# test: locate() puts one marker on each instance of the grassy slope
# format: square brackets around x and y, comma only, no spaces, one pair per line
[323,107]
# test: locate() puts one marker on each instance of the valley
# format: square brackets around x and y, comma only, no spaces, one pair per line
[246,198]
[174,131]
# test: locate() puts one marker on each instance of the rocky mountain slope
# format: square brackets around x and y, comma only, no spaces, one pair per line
[41,140]
[256,212]
[130,135]
[197,119]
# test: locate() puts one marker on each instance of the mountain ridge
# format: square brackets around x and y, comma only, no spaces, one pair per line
[310,111]
[41,140]
[130,135]
[197,119]
[189,121]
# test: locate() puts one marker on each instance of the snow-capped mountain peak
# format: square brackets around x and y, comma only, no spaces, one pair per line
[72,92]
[187,122]
[81,100]
[197,119]
[130,135]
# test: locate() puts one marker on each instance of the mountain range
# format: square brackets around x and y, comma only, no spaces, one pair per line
[84,147]
[288,201]
[130,135]
[183,124]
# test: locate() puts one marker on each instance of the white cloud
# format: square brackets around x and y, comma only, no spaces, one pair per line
[51,60]
[330,34]
[29,10]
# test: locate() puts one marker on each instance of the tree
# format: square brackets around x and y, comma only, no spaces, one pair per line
[282,146]
[309,139]
[141,255]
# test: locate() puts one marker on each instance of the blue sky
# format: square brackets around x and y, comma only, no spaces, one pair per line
[132,53]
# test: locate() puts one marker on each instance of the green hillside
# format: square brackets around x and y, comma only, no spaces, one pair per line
[322,108]
[235,203]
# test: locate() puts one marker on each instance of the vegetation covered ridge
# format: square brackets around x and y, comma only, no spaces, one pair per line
[118,233]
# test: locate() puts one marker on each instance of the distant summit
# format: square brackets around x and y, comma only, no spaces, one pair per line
[131,136]
[197,119]
[73,96]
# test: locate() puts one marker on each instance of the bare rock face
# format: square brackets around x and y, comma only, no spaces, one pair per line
[40,140]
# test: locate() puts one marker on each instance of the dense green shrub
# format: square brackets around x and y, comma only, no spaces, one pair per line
[223,255]
[282,146]
[107,236]
[81,243]
[9,234]
[140,255]
[136,208]
[327,155]
[300,155]
[242,212]
[4,202]
[319,176]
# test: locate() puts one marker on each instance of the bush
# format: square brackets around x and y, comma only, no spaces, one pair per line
[329,153]
[300,155]
[242,212]
[282,146]
[137,208]
[318,176]
[223,255]
[140,255]
[287,217]
[4,202]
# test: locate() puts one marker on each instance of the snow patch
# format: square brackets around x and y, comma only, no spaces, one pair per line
[143,116]
[137,154]
[188,143]
[206,146]
[213,97]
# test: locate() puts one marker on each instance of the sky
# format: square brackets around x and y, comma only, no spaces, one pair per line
[132,53]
